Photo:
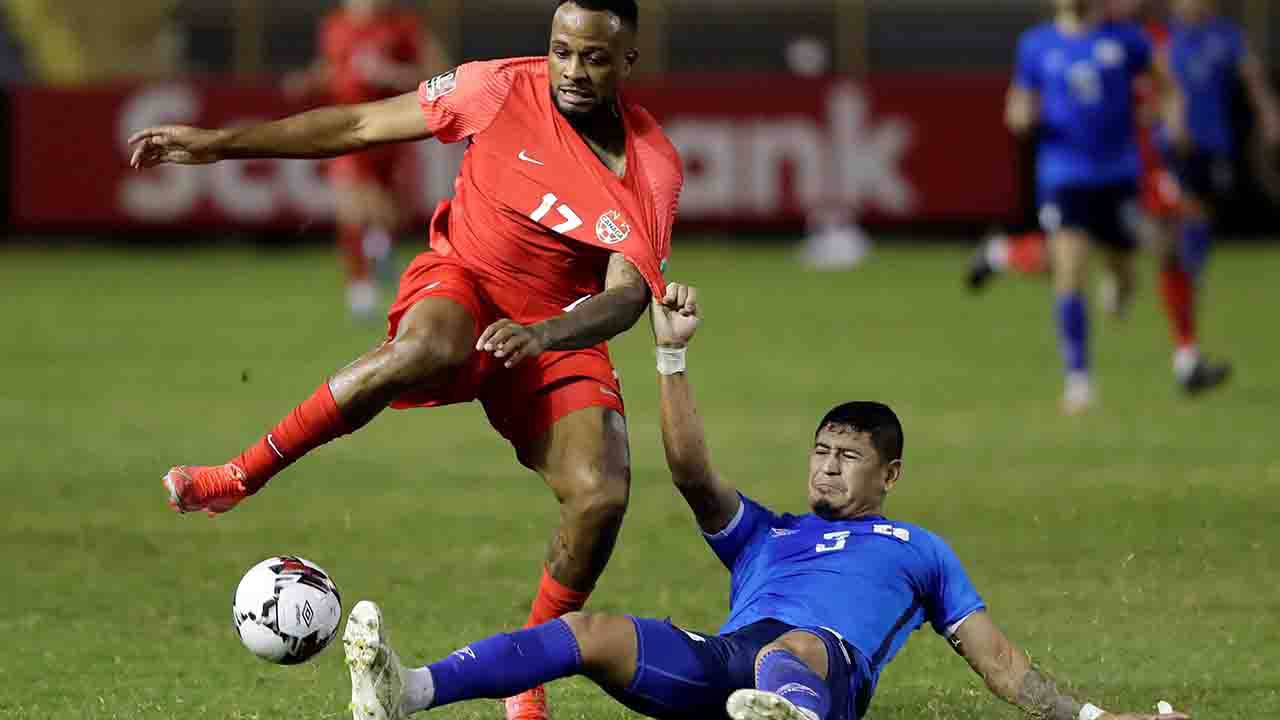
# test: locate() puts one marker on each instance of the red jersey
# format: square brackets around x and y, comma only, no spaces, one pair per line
[392,36]
[535,210]
[1160,193]
[1148,100]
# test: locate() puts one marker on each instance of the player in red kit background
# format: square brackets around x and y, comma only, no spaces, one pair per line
[369,50]
[557,235]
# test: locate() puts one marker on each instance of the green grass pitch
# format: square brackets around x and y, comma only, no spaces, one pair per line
[1134,552]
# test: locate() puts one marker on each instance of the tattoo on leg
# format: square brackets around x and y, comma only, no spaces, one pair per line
[1039,696]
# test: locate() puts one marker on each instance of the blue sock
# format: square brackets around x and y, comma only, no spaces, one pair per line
[1073,332]
[507,664]
[1195,248]
[782,673]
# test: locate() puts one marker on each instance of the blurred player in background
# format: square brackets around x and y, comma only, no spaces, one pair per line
[1077,81]
[1027,253]
[1209,59]
[1074,81]
[820,603]
[1163,208]
[369,50]
[559,229]
[1175,224]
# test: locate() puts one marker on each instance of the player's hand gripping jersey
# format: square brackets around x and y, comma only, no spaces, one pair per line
[534,221]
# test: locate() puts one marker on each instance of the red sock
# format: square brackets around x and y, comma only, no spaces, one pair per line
[1027,253]
[351,244]
[1179,303]
[313,423]
[554,600]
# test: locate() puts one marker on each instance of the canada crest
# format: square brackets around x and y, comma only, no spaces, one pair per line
[611,228]
[442,84]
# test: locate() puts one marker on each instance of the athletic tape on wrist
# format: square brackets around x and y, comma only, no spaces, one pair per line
[1091,712]
[671,360]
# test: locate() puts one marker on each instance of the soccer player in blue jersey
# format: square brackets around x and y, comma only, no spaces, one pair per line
[1161,203]
[819,603]
[1074,81]
[1208,55]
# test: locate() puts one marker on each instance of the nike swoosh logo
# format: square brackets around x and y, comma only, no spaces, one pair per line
[433,285]
[525,157]
[574,305]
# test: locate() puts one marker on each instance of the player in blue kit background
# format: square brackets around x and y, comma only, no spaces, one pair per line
[1208,56]
[819,603]
[1074,81]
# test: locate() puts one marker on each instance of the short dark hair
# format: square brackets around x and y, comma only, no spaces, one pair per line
[626,10]
[873,418]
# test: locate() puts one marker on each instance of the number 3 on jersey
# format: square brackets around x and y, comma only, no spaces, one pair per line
[571,219]
[839,537]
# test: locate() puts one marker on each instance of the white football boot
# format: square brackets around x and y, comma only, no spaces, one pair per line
[1077,395]
[377,679]
[761,705]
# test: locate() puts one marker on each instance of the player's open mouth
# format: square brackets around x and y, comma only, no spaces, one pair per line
[575,96]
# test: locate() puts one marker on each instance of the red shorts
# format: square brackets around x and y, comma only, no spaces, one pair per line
[523,402]
[381,165]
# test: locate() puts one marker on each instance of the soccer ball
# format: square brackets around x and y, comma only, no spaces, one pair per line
[286,609]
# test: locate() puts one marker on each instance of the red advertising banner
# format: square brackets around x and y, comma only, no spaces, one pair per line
[759,150]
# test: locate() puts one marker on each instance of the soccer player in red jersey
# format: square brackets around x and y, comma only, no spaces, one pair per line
[558,233]
[368,50]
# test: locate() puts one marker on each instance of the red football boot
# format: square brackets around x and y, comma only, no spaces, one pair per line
[214,489]
[528,705]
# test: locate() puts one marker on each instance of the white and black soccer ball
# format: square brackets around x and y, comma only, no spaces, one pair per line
[286,609]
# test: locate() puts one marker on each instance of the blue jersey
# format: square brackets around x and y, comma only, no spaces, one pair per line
[1205,60]
[1085,84]
[873,580]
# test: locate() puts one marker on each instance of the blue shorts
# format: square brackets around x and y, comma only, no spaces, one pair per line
[1107,213]
[689,676]
[1202,174]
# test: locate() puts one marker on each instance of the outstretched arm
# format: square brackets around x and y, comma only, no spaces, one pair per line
[589,323]
[713,500]
[323,132]
[1010,675]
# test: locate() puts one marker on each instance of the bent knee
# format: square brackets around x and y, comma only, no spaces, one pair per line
[599,494]
[584,622]
[600,636]
[806,646]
